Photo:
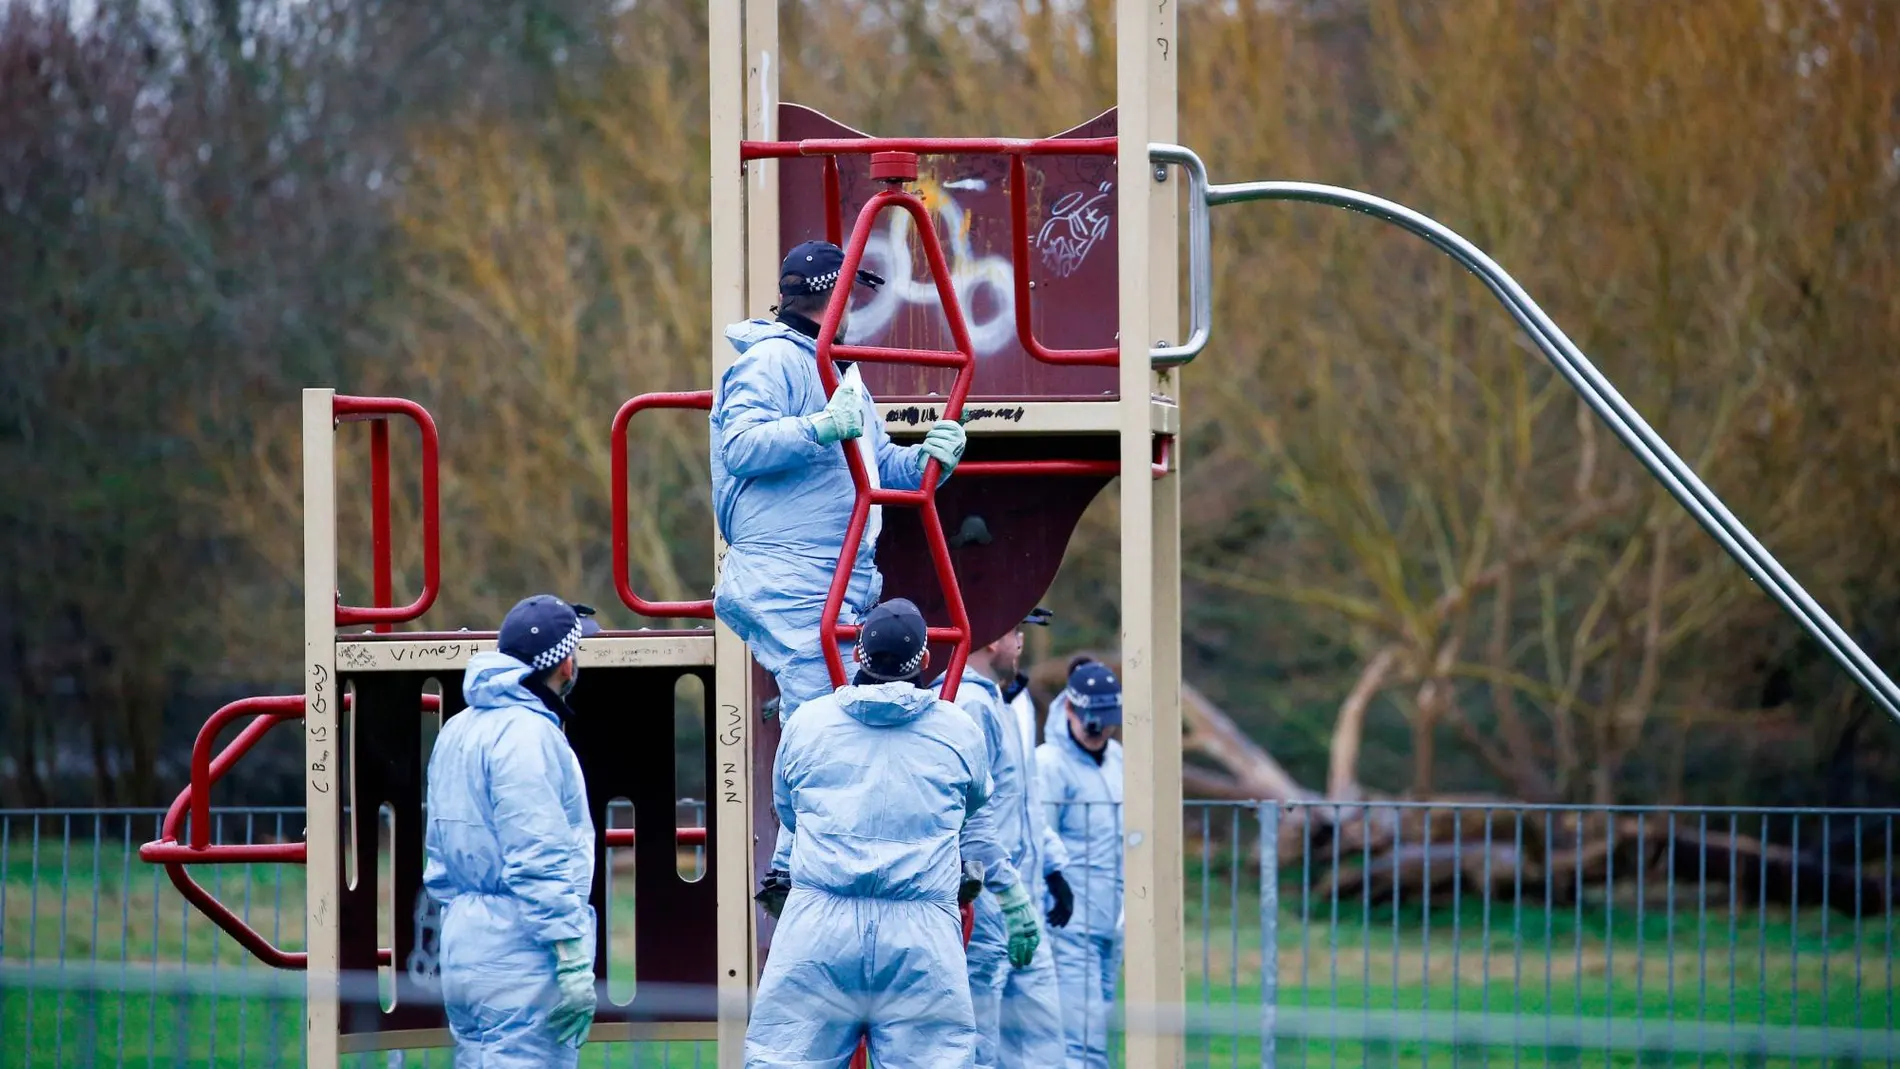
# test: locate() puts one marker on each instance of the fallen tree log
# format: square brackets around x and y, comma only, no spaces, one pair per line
[1417,850]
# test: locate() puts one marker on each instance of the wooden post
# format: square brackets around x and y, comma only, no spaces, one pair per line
[323,702]
[732,676]
[1147,205]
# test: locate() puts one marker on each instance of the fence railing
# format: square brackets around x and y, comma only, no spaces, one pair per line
[1491,934]
[1316,936]
[103,963]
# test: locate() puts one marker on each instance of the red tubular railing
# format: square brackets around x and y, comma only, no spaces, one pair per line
[681,837]
[379,409]
[623,579]
[928,146]
[381,549]
[1163,456]
[1018,150]
[925,498]
[1019,258]
[206,770]
[834,203]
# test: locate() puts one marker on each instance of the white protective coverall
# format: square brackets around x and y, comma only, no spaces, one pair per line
[1084,803]
[1018,1013]
[783,501]
[881,786]
[510,856]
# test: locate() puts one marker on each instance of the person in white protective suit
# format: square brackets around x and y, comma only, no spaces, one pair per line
[1080,767]
[782,493]
[883,785]
[509,850]
[1018,1015]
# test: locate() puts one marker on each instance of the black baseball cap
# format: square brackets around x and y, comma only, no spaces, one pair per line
[542,630]
[812,267]
[892,640]
[1095,693]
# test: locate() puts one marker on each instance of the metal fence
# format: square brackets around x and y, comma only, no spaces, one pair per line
[1317,936]
[1477,934]
[103,963]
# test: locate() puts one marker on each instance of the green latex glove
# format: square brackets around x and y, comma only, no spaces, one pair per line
[843,416]
[1019,917]
[944,443]
[573,1014]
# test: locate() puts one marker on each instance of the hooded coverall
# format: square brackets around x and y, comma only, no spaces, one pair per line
[783,502]
[1018,1018]
[880,785]
[509,853]
[1084,800]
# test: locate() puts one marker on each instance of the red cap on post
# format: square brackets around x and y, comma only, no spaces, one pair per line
[894,166]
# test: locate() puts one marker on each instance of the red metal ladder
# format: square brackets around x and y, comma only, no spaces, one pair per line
[894,169]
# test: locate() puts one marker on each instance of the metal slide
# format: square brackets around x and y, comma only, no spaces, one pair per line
[1596,391]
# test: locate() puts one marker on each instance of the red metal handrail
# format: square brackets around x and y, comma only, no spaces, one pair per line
[1019,260]
[623,577]
[928,146]
[681,837]
[924,498]
[382,552]
[834,203]
[379,409]
[207,769]
[1018,150]
[1163,455]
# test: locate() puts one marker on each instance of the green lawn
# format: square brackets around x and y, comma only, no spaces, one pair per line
[1689,969]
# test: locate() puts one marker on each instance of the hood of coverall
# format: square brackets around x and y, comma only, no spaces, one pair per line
[885,704]
[495,681]
[744,335]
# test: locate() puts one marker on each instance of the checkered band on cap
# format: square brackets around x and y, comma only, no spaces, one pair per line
[904,671]
[558,652]
[821,283]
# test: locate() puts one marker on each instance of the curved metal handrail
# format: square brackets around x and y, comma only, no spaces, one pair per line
[1655,454]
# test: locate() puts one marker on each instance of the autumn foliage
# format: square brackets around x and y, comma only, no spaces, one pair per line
[1415,562]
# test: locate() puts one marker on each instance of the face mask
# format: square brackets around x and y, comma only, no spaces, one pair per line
[568,687]
[1093,727]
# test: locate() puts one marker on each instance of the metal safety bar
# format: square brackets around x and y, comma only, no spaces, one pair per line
[1163,463]
[928,146]
[378,410]
[1019,261]
[702,400]
[1623,420]
[207,769]
[1200,257]
[1018,150]
[623,578]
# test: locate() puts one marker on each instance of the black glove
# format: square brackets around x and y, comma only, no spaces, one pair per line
[971,883]
[772,891]
[1064,908]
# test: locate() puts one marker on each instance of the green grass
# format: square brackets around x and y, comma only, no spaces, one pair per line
[1677,965]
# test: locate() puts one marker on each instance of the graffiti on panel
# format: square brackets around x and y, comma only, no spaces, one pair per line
[424,958]
[1076,224]
[889,253]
